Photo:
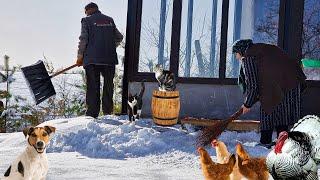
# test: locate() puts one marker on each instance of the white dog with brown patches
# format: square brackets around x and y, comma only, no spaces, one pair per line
[32,164]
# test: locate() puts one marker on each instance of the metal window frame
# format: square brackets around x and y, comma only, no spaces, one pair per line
[289,39]
[133,45]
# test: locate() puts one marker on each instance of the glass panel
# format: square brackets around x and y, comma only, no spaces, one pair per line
[155,39]
[200,38]
[251,19]
[311,39]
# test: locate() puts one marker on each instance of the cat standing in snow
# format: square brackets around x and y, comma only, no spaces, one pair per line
[166,79]
[135,104]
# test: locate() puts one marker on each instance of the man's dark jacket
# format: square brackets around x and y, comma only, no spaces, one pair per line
[277,73]
[98,40]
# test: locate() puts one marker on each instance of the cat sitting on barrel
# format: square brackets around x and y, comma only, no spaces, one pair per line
[165,78]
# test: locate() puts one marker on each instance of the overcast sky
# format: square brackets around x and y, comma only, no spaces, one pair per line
[32,28]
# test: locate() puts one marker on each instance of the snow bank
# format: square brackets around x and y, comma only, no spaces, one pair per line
[84,148]
[112,137]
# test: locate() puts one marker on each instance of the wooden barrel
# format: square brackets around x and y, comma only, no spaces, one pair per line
[165,107]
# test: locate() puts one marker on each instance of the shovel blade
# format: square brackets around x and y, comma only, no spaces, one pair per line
[39,81]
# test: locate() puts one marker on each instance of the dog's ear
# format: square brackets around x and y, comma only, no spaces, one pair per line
[50,129]
[28,130]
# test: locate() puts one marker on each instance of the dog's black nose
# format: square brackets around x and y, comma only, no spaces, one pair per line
[40,144]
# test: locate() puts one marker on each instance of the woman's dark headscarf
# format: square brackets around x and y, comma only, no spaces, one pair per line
[240,46]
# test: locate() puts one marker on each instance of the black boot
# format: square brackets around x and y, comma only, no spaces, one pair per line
[266,139]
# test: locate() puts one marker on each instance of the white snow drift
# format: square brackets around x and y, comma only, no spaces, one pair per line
[84,148]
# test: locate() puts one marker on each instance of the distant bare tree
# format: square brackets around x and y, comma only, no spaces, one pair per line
[150,35]
[267,29]
[311,30]
[201,33]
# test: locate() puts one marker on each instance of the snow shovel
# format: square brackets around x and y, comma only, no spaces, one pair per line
[39,80]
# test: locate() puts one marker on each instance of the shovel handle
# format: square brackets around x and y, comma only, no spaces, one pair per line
[63,70]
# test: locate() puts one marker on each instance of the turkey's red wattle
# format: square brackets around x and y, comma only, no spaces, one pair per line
[283,136]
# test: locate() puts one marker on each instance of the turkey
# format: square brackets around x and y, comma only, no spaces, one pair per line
[297,152]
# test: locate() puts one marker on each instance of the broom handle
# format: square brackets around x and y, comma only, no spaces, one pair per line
[237,114]
[63,70]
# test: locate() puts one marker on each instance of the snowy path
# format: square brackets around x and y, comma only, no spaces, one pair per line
[80,167]
[107,149]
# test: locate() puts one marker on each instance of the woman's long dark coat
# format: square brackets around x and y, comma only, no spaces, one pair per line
[275,80]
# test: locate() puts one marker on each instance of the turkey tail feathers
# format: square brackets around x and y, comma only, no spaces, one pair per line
[306,118]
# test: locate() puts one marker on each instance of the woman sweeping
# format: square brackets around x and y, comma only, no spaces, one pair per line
[270,76]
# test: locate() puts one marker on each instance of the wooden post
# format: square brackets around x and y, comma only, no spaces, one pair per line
[6,65]
[236,35]
[213,38]
[189,39]
[162,32]
[199,58]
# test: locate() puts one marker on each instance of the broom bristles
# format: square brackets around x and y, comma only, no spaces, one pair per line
[208,134]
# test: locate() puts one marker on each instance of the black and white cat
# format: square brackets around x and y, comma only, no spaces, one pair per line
[166,79]
[135,104]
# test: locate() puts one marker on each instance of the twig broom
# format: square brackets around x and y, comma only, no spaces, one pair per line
[209,133]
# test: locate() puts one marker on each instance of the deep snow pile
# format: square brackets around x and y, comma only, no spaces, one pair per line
[113,137]
[84,148]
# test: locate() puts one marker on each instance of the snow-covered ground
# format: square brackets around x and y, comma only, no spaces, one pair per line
[109,148]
